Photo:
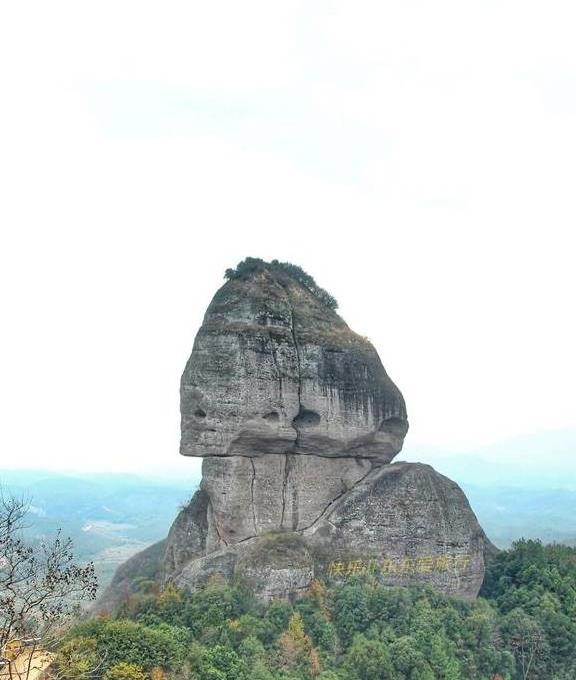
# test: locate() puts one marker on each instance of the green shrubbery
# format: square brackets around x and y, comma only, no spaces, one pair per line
[534,588]
[523,627]
[124,640]
[254,264]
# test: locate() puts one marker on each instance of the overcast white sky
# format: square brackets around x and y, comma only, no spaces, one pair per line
[417,158]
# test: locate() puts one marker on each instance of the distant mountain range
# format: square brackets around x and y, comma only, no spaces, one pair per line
[543,460]
[108,516]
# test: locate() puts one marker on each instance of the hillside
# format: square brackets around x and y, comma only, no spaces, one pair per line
[109,516]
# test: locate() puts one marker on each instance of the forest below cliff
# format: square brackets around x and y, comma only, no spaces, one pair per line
[523,626]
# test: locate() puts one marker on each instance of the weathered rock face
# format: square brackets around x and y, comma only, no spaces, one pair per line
[274,370]
[411,524]
[297,422]
[403,521]
[253,496]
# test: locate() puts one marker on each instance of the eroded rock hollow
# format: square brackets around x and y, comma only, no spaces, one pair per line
[297,423]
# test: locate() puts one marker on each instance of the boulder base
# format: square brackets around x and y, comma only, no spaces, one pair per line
[404,523]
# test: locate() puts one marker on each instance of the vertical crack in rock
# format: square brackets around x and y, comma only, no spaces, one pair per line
[277,367]
[299,366]
[295,509]
[288,457]
[215,524]
[252,496]
[286,472]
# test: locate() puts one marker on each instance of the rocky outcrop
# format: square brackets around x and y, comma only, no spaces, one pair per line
[298,422]
[408,523]
[274,370]
[403,522]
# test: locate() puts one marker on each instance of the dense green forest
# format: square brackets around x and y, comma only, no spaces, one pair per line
[523,626]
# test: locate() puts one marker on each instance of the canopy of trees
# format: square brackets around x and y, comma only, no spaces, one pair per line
[523,626]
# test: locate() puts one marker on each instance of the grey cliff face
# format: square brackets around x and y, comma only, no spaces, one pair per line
[414,524]
[273,371]
[403,522]
[298,422]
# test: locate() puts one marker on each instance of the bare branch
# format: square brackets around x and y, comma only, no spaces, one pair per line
[41,588]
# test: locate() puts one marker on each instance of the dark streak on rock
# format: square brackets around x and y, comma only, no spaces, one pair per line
[252,495]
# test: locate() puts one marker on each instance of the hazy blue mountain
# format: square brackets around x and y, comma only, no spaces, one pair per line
[509,513]
[543,460]
[108,516]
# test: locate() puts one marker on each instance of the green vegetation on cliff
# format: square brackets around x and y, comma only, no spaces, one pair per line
[252,265]
[523,627]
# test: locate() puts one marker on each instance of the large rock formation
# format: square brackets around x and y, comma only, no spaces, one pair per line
[297,422]
[274,370]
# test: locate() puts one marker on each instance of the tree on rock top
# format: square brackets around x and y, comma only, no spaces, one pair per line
[252,265]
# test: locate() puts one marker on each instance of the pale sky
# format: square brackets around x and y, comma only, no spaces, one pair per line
[417,158]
